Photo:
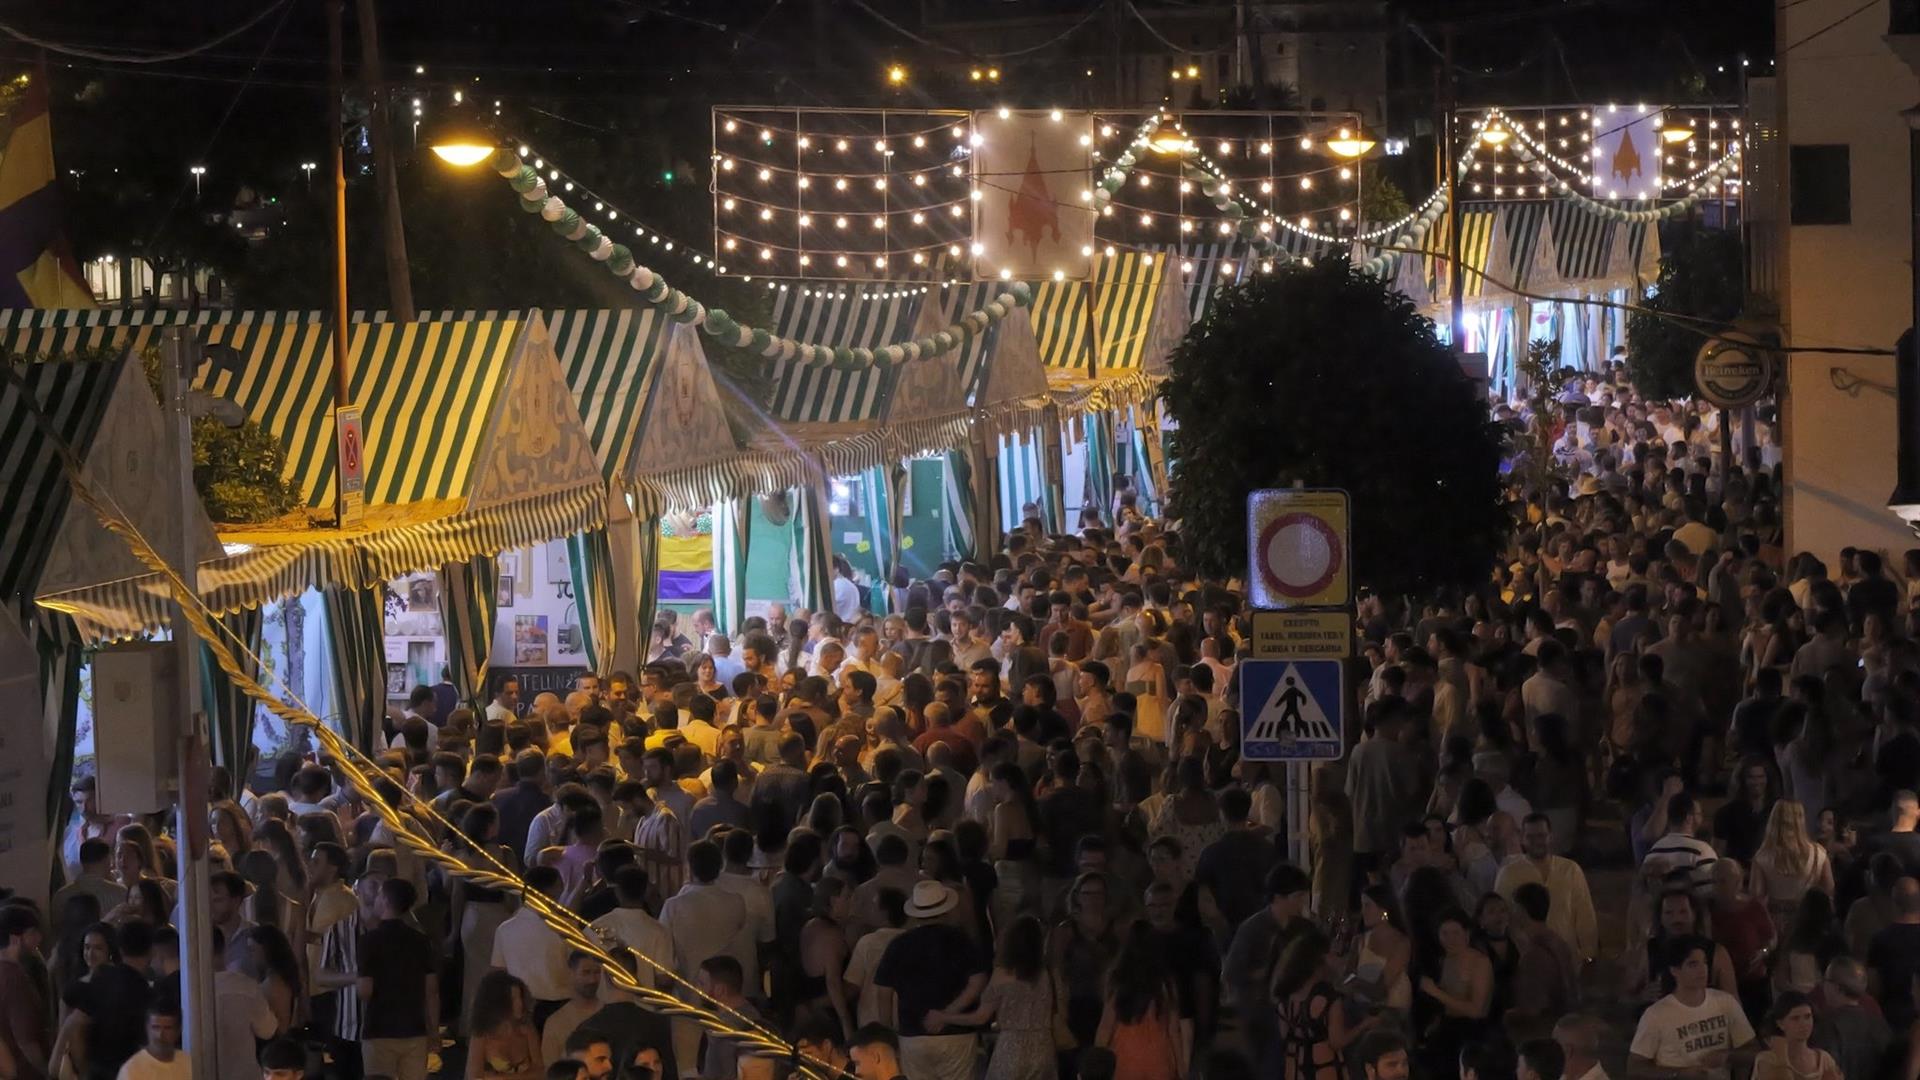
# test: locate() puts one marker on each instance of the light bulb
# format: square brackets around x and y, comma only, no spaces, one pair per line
[805,220]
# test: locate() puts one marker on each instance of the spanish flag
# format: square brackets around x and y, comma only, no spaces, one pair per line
[37,269]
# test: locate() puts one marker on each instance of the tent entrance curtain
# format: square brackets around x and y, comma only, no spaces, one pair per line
[647,603]
[957,505]
[62,653]
[732,525]
[1020,482]
[880,496]
[230,712]
[590,557]
[1100,464]
[1046,437]
[987,499]
[356,628]
[812,547]
[469,599]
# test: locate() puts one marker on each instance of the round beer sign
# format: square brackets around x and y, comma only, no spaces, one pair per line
[1733,373]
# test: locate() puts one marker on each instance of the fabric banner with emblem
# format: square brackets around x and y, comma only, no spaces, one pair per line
[230,712]
[590,558]
[469,601]
[356,626]
[732,528]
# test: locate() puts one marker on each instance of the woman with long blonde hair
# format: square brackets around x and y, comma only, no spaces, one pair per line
[1788,863]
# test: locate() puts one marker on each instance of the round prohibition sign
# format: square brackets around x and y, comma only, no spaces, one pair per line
[1314,549]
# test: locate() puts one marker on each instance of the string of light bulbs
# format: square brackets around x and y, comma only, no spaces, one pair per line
[590,240]
[1583,173]
[1614,213]
[612,216]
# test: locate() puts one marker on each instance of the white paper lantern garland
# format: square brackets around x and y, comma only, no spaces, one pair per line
[715,322]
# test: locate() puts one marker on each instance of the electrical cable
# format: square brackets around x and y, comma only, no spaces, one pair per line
[1848,17]
[1151,29]
[143,58]
[944,47]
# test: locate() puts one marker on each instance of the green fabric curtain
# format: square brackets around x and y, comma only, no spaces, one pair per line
[957,506]
[1100,463]
[987,532]
[469,600]
[230,712]
[62,655]
[356,628]
[1046,440]
[732,524]
[880,495]
[590,558]
[812,548]
[648,602]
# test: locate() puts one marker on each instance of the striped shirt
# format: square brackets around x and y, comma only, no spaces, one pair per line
[1678,851]
[662,839]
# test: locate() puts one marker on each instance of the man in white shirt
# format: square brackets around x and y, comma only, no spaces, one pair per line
[1680,849]
[1546,690]
[1570,913]
[1695,1030]
[161,1058]
[505,705]
[846,594]
[528,949]
[737,877]
[726,666]
[704,918]
[240,1013]
[632,927]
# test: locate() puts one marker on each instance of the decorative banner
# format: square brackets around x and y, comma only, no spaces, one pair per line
[1627,153]
[1034,217]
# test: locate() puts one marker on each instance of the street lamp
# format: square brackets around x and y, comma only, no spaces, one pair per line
[198,171]
[1493,134]
[896,75]
[1351,142]
[308,167]
[458,141]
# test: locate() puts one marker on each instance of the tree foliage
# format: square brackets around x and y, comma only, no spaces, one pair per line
[1324,377]
[1700,278]
[239,471]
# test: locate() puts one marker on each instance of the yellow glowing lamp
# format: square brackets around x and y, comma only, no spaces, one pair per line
[1493,134]
[459,142]
[1171,143]
[1673,133]
[1350,142]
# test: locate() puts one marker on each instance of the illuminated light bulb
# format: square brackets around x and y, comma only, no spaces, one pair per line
[1146,260]
[1005,273]
[879,147]
[919,180]
[1266,148]
[956,132]
[1005,112]
[765,254]
[1145,180]
[919,218]
[1059,275]
[569,185]
[1345,214]
[1346,173]
[880,183]
[726,165]
[1054,116]
[1086,196]
[599,206]
[613,215]
[1186,226]
[805,183]
[840,222]
[1226,147]
[1306,142]
[953,250]
[879,260]
[1106,211]
[805,142]
[1266,187]
[729,126]
[1225,229]
[1146,219]
[840,261]
[539,163]
[919,141]
[880,222]
[729,245]
[840,145]
[766,214]
[840,183]
[727,205]
[1226,186]
[957,210]
[979,249]
[918,258]
[1109,251]
[977,139]
[1086,140]
[1185,186]
[766,174]
[1306,223]
[976,195]
[1266,226]
[806,260]
[1186,268]
[1306,183]
[805,220]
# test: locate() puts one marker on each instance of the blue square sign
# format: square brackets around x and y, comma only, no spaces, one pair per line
[1292,710]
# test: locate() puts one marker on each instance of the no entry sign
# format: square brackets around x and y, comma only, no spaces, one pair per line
[1298,551]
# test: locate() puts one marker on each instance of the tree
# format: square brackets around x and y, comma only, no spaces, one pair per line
[1700,279]
[1323,376]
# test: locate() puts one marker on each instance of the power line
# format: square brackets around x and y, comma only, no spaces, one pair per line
[143,58]
[944,47]
[1848,17]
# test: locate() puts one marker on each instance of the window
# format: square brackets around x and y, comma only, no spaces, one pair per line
[1820,185]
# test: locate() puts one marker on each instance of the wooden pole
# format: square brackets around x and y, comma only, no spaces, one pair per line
[380,130]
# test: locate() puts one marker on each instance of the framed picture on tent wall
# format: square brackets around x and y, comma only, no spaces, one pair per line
[504,596]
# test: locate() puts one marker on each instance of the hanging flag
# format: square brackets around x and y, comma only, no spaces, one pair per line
[1627,152]
[37,269]
[1033,218]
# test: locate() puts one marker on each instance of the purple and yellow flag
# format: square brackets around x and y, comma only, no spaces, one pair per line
[686,569]
[37,269]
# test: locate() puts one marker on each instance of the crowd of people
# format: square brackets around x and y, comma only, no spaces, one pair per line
[1007,831]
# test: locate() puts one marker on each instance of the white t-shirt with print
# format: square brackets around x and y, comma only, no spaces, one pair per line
[1677,1036]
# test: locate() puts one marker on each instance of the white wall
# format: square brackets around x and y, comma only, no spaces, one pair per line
[1848,285]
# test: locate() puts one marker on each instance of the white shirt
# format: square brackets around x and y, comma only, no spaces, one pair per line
[846,599]
[759,927]
[548,829]
[497,711]
[144,1066]
[642,933]
[240,1015]
[1675,851]
[1677,1036]
[705,921]
[528,949]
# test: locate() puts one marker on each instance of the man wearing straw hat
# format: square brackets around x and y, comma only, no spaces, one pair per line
[933,966]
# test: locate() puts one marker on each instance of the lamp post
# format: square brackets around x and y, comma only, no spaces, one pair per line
[198,171]
[346,503]
[307,167]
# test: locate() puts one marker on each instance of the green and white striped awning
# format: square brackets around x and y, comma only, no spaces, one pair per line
[1110,313]
[860,316]
[74,396]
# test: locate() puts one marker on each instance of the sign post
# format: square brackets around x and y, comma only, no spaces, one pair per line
[353,465]
[1293,689]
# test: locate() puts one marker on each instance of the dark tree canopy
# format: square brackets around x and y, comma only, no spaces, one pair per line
[1323,376]
[1700,277]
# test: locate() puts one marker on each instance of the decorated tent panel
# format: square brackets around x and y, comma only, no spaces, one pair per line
[930,388]
[859,317]
[685,423]
[535,444]
[131,462]
[1109,318]
[1524,259]
[612,359]
[75,398]
[1583,244]
[1476,246]
[970,359]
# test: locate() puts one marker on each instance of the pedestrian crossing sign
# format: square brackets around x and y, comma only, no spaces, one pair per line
[1292,710]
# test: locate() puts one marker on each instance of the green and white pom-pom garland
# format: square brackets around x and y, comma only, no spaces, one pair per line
[717,324]
[1686,202]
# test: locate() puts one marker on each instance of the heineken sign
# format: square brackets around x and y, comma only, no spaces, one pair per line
[1733,372]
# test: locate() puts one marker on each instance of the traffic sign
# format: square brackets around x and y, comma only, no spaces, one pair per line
[1300,635]
[1293,710]
[1298,548]
[353,463]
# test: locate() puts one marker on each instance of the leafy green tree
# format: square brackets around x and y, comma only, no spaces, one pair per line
[1325,377]
[1700,279]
